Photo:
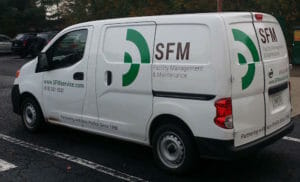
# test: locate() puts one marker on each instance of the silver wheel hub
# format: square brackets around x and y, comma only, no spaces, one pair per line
[171,150]
[29,114]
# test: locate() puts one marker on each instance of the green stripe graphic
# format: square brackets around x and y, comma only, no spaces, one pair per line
[246,40]
[140,42]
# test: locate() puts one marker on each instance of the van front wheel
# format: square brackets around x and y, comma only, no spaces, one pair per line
[173,148]
[32,115]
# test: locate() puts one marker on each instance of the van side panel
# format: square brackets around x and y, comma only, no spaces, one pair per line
[123,79]
[90,111]
[31,83]
[190,71]
[182,59]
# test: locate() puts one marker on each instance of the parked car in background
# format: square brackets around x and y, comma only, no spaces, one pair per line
[21,43]
[5,44]
[39,42]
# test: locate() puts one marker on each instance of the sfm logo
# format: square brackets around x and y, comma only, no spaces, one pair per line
[246,40]
[138,39]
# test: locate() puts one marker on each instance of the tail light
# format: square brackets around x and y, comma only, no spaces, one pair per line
[224,113]
[17,73]
[24,43]
[258,17]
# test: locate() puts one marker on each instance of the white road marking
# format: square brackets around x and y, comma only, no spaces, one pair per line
[291,139]
[4,166]
[77,160]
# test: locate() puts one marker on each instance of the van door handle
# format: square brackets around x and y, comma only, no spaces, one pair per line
[108,77]
[78,76]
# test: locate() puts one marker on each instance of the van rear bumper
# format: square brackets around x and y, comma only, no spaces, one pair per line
[224,149]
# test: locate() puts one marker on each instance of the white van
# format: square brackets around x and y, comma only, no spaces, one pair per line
[213,84]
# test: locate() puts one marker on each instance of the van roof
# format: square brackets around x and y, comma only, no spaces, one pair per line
[150,18]
[167,18]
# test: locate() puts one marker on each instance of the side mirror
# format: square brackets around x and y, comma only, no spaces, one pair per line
[42,63]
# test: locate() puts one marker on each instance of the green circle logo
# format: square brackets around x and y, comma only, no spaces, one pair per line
[246,40]
[138,39]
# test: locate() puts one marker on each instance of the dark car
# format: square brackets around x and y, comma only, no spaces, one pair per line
[5,44]
[39,42]
[21,43]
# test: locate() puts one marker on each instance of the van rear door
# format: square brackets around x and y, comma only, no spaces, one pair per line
[276,65]
[248,105]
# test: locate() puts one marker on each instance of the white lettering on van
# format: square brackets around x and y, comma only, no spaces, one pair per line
[279,79]
[252,133]
[89,123]
[175,71]
[278,122]
[163,51]
[267,34]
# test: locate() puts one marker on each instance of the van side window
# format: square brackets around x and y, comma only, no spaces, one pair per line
[67,50]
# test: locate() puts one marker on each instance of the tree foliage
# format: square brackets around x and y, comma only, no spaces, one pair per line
[20,16]
[36,15]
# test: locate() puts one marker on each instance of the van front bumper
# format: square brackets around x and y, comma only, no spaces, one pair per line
[224,149]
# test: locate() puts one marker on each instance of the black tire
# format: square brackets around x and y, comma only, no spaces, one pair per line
[171,139]
[32,116]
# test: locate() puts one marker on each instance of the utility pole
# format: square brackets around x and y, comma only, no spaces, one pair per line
[219,5]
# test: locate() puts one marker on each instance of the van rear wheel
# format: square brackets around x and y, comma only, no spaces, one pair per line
[32,116]
[173,148]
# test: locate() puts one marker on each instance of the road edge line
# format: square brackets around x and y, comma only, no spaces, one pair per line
[74,159]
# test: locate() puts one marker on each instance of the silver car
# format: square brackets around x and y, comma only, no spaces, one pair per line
[5,44]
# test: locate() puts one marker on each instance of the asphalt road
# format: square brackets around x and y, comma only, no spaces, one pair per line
[61,154]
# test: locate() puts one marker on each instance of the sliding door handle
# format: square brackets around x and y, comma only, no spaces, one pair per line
[78,76]
[108,77]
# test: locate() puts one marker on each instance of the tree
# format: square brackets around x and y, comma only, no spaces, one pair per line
[25,15]
[20,16]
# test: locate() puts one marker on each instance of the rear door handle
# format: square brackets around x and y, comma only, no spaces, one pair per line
[108,77]
[78,76]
